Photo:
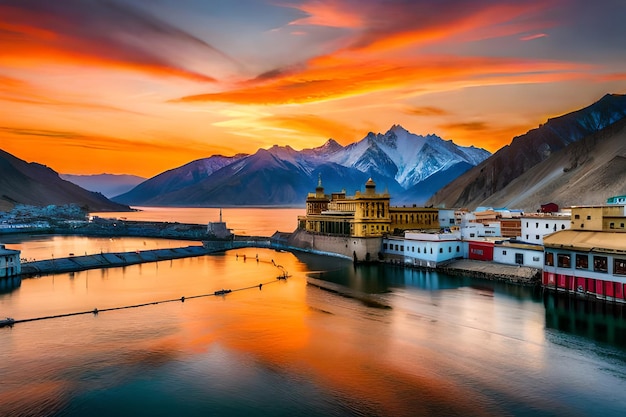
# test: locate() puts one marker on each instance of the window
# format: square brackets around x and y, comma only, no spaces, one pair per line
[419,250]
[458,249]
[547,226]
[549,259]
[440,250]
[504,252]
[535,259]
[536,225]
[402,247]
[537,237]
[588,217]
[562,227]
[519,258]
[526,224]
[600,264]
[396,247]
[449,249]
[526,237]
[612,225]
[582,261]
[563,260]
[384,246]
[619,266]
[577,216]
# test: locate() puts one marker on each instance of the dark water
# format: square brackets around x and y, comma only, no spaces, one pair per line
[385,341]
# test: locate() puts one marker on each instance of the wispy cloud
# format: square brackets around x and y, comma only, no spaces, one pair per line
[98,33]
[425,111]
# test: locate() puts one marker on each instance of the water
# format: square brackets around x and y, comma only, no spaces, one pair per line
[404,342]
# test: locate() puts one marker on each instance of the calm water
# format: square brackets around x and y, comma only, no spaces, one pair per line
[404,342]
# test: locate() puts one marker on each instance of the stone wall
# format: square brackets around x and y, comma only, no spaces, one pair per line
[356,248]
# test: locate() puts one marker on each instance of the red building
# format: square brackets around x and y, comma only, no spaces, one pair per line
[480,250]
[549,208]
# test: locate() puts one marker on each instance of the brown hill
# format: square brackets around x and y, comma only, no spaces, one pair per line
[585,172]
[37,185]
[493,176]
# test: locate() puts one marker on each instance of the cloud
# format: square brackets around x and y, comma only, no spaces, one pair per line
[467,126]
[425,111]
[313,125]
[97,33]
[324,80]
[533,37]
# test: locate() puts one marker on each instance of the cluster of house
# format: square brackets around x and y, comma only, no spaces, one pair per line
[579,249]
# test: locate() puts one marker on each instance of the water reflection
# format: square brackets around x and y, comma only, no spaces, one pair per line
[9,284]
[379,279]
[599,321]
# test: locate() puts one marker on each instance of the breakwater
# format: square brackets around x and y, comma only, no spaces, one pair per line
[108,260]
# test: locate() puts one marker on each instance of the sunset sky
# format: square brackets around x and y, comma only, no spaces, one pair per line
[143,86]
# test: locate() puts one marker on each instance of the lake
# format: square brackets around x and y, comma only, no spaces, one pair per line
[387,341]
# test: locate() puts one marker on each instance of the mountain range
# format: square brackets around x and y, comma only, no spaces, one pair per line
[34,184]
[577,158]
[411,167]
[109,185]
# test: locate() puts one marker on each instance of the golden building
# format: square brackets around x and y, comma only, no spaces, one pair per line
[414,218]
[362,215]
[366,214]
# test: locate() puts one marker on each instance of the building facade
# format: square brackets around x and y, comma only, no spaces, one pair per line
[10,265]
[512,253]
[535,227]
[590,258]
[424,249]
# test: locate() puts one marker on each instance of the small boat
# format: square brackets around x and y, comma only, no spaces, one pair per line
[222,292]
[7,322]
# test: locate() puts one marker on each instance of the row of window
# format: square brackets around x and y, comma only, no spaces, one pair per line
[548,226]
[600,263]
[400,248]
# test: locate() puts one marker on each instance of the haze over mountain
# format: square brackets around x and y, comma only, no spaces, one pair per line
[35,184]
[109,185]
[487,184]
[398,160]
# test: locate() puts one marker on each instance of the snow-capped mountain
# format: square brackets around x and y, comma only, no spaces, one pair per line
[397,160]
[409,157]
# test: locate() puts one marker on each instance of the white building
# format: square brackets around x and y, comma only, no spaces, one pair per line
[9,262]
[447,218]
[536,226]
[512,253]
[424,249]
[470,230]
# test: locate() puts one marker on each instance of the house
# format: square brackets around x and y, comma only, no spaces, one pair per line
[424,249]
[10,265]
[590,258]
[535,226]
[518,253]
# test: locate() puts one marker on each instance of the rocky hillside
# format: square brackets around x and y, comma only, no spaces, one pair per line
[476,186]
[586,172]
[37,185]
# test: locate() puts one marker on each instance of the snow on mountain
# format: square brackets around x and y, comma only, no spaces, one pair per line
[398,160]
[407,157]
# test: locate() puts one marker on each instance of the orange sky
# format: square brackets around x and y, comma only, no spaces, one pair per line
[142,87]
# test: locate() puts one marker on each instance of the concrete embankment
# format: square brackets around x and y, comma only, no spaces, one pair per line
[108,260]
[493,271]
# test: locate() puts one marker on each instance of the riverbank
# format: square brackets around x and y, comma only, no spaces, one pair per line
[493,271]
